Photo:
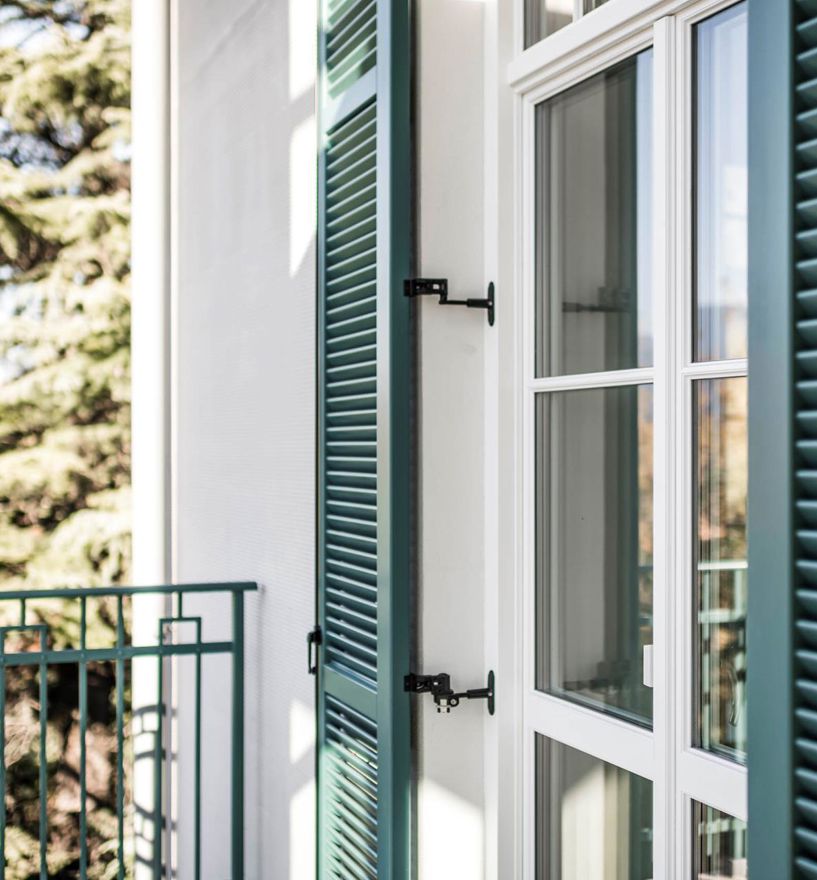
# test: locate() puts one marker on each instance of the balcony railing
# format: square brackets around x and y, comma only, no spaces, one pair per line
[32,628]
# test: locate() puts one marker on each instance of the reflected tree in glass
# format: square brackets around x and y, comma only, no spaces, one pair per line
[720,845]
[721,476]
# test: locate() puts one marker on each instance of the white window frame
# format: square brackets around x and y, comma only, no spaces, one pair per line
[681,773]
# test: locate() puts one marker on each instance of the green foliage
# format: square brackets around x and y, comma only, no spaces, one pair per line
[64,292]
[64,391]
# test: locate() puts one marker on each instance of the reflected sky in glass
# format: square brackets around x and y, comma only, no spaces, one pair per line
[721,186]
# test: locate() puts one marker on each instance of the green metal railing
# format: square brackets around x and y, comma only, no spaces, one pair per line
[119,654]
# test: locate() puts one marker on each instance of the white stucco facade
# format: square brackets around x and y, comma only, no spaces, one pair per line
[244,398]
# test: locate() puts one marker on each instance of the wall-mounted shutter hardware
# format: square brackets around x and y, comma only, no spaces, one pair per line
[439,686]
[414,287]
[314,638]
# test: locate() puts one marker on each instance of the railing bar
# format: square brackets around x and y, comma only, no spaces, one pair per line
[120,766]
[180,604]
[120,623]
[197,793]
[83,729]
[22,612]
[163,590]
[102,655]
[157,768]
[120,740]
[43,765]
[3,768]
[237,836]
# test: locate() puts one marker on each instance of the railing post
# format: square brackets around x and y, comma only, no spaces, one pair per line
[238,738]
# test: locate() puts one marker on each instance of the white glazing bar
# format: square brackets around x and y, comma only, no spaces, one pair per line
[716,369]
[664,441]
[713,781]
[603,736]
[610,379]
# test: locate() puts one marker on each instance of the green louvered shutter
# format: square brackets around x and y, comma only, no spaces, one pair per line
[364,440]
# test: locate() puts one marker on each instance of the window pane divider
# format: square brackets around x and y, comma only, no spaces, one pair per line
[607,379]
[714,781]
[601,736]
[716,369]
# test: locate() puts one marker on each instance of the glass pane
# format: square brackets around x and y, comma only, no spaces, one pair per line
[594,224]
[545,17]
[590,5]
[721,185]
[720,845]
[594,526]
[721,568]
[593,820]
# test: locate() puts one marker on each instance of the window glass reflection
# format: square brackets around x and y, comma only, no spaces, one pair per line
[594,227]
[545,17]
[593,820]
[720,845]
[594,526]
[721,189]
[721,475]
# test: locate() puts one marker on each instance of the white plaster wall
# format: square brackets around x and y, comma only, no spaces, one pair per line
[450,816]
[244,407]
[503,796]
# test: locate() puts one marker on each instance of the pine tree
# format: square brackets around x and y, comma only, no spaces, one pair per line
[64,388]
[64,292]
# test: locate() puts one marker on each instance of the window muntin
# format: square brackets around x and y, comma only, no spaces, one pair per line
[721,185]
[597,818]
[594,144]
[595,546]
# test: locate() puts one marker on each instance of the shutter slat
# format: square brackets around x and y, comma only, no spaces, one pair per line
[367,608]
[807,868]
[351,45]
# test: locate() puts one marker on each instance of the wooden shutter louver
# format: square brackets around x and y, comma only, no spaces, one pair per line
[351,42]
[351,836]
[350,628]
[364,441]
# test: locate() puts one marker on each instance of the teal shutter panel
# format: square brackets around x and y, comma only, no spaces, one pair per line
[365,445]
[782,620]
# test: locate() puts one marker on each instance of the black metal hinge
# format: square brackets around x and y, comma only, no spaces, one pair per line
[313,640]
[414,287]
[439,686]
